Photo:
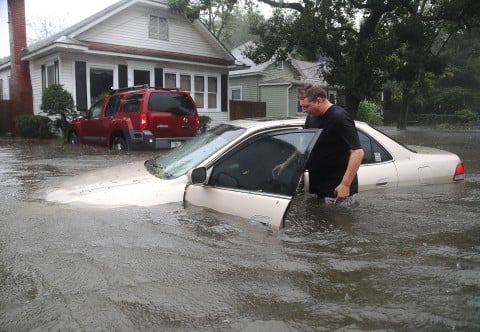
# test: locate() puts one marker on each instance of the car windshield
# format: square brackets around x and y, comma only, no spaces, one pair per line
[192,152]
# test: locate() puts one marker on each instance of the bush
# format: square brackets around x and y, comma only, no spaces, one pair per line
[369,112]
[59,103]
[33,126]
[204,121]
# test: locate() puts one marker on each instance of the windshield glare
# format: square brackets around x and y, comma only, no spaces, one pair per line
[193,152]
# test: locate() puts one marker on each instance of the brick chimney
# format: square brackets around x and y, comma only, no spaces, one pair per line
[20,85]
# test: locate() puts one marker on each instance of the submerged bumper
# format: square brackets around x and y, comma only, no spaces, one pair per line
[144,139]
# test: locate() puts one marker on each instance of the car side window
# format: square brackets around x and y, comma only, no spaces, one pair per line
[96,110]
[250,167]
[132,102]
[373,151]
[112,106]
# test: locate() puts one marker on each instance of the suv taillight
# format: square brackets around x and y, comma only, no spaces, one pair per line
[143,121]
[197,123]
[459,172]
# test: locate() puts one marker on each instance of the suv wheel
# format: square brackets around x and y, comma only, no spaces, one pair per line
[73,138]
[119,144]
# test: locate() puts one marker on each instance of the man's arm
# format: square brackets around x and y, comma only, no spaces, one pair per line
[342,191]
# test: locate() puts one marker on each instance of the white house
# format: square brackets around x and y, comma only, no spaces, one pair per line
[132,42]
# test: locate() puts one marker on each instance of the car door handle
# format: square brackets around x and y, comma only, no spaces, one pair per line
[381,183]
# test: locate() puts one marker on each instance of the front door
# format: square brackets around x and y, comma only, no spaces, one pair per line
[243,182]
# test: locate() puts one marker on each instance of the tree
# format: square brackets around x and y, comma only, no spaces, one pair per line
[367,42]
[42,26]
[217,15]
[457,88]
[59,103]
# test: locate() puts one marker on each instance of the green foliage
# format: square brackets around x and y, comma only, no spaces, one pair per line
[464,118]
[397,41]
[33,126]
[369,112]
[58,102]
[204,121]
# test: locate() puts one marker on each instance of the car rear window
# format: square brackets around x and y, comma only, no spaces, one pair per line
[170,102]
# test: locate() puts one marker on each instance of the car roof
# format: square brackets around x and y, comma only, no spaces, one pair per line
[267,122]
[258,123]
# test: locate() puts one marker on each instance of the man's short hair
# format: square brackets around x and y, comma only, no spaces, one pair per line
[312,92]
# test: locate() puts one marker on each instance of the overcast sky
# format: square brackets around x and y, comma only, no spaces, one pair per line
[67,11]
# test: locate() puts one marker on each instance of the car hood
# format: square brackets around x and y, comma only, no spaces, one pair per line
[122,185]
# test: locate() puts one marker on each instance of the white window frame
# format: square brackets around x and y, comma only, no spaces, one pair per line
[104,67]
[139,65]
[158,34]
[234,88]
[205,76]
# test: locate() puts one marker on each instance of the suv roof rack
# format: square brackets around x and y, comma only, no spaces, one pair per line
[140,87]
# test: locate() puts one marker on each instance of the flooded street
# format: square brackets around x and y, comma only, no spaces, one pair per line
[405,259]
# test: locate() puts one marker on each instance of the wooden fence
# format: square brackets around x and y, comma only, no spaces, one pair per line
[247,109]
[6,117]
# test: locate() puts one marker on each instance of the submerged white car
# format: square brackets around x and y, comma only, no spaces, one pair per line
[229,169]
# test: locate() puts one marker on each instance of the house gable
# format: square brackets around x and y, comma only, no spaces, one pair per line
[129,29]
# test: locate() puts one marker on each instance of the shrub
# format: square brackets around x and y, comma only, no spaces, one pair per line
[58,102]
[33,126]
[467,117]
[204,121]
[369,112]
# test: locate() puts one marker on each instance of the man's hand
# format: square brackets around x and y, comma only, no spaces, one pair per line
[277,170]
[341,192]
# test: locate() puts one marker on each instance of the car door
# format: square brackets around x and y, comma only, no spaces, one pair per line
[242,183]
[90,126]
[378,169]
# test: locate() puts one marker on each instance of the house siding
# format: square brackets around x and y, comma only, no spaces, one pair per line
[250,90]
[130,28]
[283,70]
[275,98]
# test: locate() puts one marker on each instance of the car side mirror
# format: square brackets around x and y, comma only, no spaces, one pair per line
[83,113]
[197,175]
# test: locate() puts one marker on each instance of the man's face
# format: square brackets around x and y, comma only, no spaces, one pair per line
[312,107]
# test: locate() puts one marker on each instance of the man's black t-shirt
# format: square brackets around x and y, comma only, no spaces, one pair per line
[329,158]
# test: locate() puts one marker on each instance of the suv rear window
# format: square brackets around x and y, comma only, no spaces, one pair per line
[170,102]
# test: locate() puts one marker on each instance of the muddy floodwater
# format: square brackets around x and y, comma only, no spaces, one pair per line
[404,260]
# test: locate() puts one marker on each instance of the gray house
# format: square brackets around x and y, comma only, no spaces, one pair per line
[275,83]
[132,42]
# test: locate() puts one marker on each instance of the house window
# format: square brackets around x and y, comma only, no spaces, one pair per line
[158,28]
[101,82]
[1,89]
[185,83]
[212,92]
[199,91]
[236,93]
[50,75]
[204,88]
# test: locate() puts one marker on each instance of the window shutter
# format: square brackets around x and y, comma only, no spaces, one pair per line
[224,93]
[159,77]
[122,76]
[81,84]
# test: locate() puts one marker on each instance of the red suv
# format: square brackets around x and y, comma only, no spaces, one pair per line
[137,117]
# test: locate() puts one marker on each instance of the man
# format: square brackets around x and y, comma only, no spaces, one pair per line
[337,155]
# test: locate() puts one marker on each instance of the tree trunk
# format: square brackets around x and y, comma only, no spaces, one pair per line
[403,115]
[352,103]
